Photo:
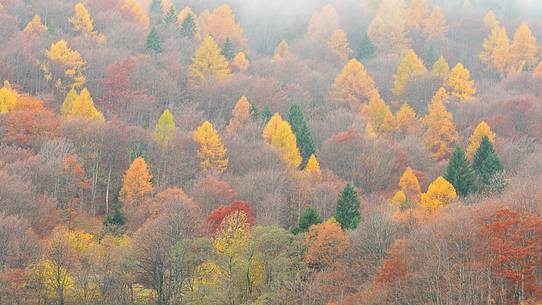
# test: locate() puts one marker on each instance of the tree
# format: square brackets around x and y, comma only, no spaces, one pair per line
[417,13]
[490,19]
[378,113]
[8,97]
[409,184]
[164,131]
[312,168]
[326,244]
[227,50]
[211,151]
[65,65]
[486,163]
[441,68]
[406,121]
[524,47]
[171,15]
[399,198]
[135,12]
[188,26]
[481,130]
[136,184]
[240,116]
[281,51]
[217,216]
[69,100]
[460,83]
[271,127]
[322,24]
[353,86]
[410,67]
[387,30]
[439,193]
[284,140]
[496,50]
[460,174]
[435,26]
[153,42]
[82,107]
[338,43]
[365,50]
[35,26]
[81,21]
[348,214]
[208,64]
[441,134]
[240,62]
[302,133]
[309,217]
[221,25]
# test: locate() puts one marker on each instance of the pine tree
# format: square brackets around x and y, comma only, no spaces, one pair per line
[406,121]
[153,42]
[155,11]
[460,83]
[441,68]
[171,16]
[240,117]
[208,63]
[409,184]
[309,217]
[460,174]
[347,213]
[365,50]
[353,86]
[430,55]
[524,47]
[302,133]
[410,67]
[117,218]
[227,50]
[481,130]
[188,27]
[211,151]
[489,168]
[266,114]
[164,132]
[254,111]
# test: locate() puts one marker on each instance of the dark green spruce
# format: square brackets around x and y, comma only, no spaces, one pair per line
[309,217]
[153,42]
[365,49]
[302,133]
[347,213]
[460,173]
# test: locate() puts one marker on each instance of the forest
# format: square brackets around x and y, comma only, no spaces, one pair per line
[280,152]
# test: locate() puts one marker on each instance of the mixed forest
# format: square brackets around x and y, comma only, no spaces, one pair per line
[203,152]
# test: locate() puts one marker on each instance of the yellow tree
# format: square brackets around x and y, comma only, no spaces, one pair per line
[387,30]
[439,193]
[353,86]
[326,244]
[281,51]
[338,43]
[490,19]
[69,100]
[524,48]
[376,112]
[460,83]
[417,13]
[240,116]
[134,11]
[406,121]
[35,26]
[410,185]
[136,184]
[312,168]
[496,50]
[285,142]
[240,62]
[83,108]
[441,68]
[208,63]
[211,151]
[481,130]
[64,66]
[322,24]
[183,14]
[81,21]
[221,24]
[164,131]
[8,98]
[271,127]
[410,67]
[399,198]
[435,26]
[441,134]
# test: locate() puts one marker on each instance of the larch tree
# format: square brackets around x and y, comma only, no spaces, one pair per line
[153,42]
[164,131]
[240,116]
[353,86]
[312,168]
[410,185]
[135,12]
[240,62]
[136,184]
[387,30]
[496,50]
[376,112]
[64,66]
[417,13]
[83,108]
[481,130]
[460,173]
[302,132]
[399,198]
[208,63]
[407,121]
[441,134]
[439,193]
[8,97]
[35,26]
[410,67]
[524,47]
[69,100]
[81,21]
[221,25]
[490,19]
[284,141]
[322,24]
[435,26]
[348,209]
[460,83]
[281,51]
[211,151]
[441,68]
[338,43]
[271,127]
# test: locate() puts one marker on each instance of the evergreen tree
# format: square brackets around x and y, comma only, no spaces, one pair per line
[254,111]
[302,133]
[309,217]
[266,114]
[153,42]
[430,55]
[484,150]
[188,27]
[365,49]
[117,218]
[460,174]
[490,167]
[171,16]
[347,213]
[228,50]
[155,11]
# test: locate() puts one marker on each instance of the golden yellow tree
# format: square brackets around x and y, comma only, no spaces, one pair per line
[435,26]
[441,68]
[312,169]
[376,112]
[285,142]
[221,24]
[410,67]
[271,127]
[399,198]
[406,121]
[240,62]
[83,108]
[353,86]
[208,63]
[409,184]
[281,51]
[69,100]
[82,22]
[387,30]
[338,43]
[417,13]
[164,131]
[496,50]
[240,116]
[524,47]
[481,130]
[35,26]
[134,11]
[441,134]
[439,193]
[460,82]
[8,97]
[64,66]
[322,24]
[211,151]
[136,184]
[490,19]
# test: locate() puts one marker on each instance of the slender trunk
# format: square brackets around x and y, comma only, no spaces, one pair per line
[107,191]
